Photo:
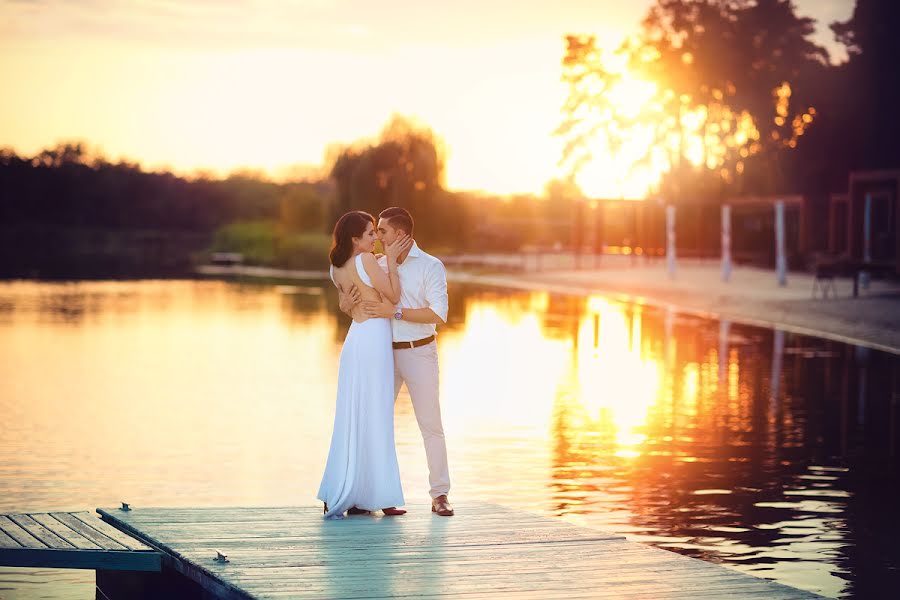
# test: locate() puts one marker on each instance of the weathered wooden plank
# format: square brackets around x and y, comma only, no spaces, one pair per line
[462,529]
[486,572]
[322,553]
[315,523]
[443,565]
[342,528]
[47,537]
[8,542]
[488,511]
[397,539]
[301,518]
[13,530]
[451,586]
[623,555]
[89,532]
[733,580]
[111,532]
[64,531]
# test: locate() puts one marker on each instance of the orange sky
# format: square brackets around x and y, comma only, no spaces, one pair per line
[225,84]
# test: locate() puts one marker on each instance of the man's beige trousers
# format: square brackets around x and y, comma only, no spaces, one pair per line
[418,368]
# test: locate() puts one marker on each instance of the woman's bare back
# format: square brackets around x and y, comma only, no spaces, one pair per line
[346,276]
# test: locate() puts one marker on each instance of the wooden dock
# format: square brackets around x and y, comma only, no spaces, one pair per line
[73,540]
[484,551]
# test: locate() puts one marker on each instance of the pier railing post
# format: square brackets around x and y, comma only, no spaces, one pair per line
[670,240]
[726,242]
[780,257]
[867,241]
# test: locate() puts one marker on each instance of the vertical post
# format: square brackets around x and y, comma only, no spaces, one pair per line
[726,243]
[669,340]
[600,224]
[777,357]
[724,330]
[867,241]
[577,231]
[780,258]
[670,240]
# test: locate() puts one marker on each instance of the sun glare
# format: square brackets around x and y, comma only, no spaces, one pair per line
[624,132]
[617,385]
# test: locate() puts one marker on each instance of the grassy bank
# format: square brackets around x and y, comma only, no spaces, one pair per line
[264,243]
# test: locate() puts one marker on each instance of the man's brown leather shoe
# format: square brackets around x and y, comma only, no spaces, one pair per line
[441,506]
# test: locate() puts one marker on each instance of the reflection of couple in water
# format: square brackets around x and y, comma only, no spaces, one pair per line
[395,301]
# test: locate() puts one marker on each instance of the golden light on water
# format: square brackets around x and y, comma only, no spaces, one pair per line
[616,385]
[496,350]
[602,373]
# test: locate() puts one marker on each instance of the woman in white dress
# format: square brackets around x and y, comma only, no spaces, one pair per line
[362,473]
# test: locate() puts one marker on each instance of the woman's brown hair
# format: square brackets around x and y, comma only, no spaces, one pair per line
[351,225]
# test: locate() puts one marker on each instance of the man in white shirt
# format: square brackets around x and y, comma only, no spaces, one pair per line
[423,304]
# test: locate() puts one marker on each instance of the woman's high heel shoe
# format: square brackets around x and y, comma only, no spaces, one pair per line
[325,512]
[393,511]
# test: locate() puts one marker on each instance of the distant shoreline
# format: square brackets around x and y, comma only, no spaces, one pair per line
[751,297]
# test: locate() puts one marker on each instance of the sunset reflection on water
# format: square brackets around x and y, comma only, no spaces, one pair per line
[772,453]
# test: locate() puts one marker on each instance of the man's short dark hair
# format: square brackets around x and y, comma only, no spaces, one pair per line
[398,218]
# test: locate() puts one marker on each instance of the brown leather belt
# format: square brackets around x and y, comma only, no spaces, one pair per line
[415,344]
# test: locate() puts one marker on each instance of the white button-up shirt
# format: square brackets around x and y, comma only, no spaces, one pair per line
[423,284]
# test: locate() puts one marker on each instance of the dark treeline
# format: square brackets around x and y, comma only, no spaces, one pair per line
[66,212]
[65,186]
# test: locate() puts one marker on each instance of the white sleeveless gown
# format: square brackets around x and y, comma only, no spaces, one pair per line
[362,469]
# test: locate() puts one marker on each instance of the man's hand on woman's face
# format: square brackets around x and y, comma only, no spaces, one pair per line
[398,247]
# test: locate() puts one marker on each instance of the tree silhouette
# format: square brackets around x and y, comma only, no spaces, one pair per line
[873,82]
[725,82]
[405,167]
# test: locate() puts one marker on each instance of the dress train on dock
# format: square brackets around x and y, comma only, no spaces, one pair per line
[362,469]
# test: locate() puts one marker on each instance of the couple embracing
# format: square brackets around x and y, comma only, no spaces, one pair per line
[395,301]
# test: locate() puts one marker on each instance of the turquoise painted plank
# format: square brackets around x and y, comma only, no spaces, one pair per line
[80,559]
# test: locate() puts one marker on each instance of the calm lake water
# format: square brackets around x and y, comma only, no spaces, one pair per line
[771,453]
